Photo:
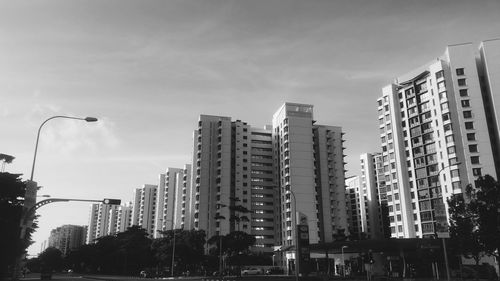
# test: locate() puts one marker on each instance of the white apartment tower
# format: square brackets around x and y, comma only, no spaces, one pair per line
[489,74]
[173,199]
[107,219]
[354,207]
[374,195]
[124,217]
[67,238]
[435,139]
[309,173]
[92,226]
[145,207]
[99,221]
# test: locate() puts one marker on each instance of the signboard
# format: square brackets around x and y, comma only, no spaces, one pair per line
[303,251]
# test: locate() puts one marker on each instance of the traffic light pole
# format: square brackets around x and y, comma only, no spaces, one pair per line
[31,211]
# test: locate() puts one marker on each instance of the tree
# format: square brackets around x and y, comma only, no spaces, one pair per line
[51,259]
[12,192]
[486,206]
[464,228]
[189,249]
[475,218]
[238,242]
[134,246]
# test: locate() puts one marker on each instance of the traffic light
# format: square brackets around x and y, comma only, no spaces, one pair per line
[112,201]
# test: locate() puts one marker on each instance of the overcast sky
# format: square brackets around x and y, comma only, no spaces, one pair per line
[148,69]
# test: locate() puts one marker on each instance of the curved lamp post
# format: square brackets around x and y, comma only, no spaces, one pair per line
[294,224]
[31,186]
[443,238]
[87,119]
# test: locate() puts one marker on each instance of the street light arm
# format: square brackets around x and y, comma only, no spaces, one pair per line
[442,169]
[88,119]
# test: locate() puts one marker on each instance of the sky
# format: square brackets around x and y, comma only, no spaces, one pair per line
[148,69]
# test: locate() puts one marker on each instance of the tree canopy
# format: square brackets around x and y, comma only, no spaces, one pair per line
[12,191]
[475,218]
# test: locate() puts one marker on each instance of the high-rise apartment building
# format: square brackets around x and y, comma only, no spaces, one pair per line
[243,178]
[353,208]
[172,205]
[489,75]
[309,173]
[99,221]
[436,136]
[144,210]
[374,195]
[67,238]
[120,218]
[232,187]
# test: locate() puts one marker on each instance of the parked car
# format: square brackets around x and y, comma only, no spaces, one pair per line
[274,270]
[251,271]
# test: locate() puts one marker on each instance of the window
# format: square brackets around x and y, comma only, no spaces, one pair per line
[451,149]
[465,103]
[476,172]
[456,185]
[460,71]
[467,114]
[462,82]
[474,159]
[473,148]
[455,173]
[441,86]
[446,117]
[471,136]
[469,125]
[439,74]
[449,139]
[463,92]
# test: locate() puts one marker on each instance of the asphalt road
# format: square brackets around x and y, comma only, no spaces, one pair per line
[74,276]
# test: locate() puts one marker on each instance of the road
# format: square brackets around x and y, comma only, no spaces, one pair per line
[74,276]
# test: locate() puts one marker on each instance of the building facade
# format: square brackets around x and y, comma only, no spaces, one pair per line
[144,210]
[435,140]
[172,205]
[243,178]
[309,170]
[67,238]
[233,182]
[100,216]
[353,208]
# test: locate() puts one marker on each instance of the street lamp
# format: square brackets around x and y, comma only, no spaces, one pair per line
[173,252]
[445,236]
[87,119]
[218,218]
[343,260]
[294,225]
[31,186]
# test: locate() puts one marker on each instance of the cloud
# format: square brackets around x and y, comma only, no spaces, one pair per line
[73,137]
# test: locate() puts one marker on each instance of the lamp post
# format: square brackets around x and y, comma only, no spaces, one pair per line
[87,119]
[443,237]
[343,261]
[31,186]
[173,253]
[296,240]
[218,218]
